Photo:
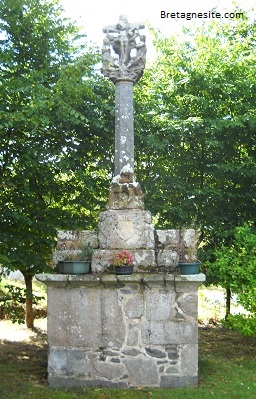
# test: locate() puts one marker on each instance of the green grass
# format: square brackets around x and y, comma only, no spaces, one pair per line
[227,370]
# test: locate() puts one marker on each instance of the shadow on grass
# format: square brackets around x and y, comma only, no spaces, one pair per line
[22,365]
[227,368]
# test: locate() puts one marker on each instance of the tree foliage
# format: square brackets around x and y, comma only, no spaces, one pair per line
[235,267]
[196,136]
[55,115]
[196,125]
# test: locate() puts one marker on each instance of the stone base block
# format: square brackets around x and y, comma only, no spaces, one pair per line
[167,260]
[125,331]
[168,239]
[183,241]
[144,259]
[126,229]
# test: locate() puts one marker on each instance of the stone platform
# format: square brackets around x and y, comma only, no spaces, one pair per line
[122,331]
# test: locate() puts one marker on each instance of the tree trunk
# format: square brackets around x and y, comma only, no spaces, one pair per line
[228,302]
[29,301]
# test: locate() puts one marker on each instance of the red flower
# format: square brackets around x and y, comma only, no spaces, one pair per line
[123,258]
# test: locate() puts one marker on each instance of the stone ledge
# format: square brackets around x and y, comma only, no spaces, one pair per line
[94,279]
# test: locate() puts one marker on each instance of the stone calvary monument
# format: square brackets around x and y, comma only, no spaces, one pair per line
[125,224]
[124,331]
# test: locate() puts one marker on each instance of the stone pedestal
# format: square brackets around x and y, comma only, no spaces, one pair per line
[129,229]
[126,229]
[125,331]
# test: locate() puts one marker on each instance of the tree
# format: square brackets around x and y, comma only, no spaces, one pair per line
[196,130]
[196,125]
[236,266]
[52,129]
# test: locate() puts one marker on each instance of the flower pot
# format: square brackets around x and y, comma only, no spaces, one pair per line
[124,269]
[74,267]
[189,268]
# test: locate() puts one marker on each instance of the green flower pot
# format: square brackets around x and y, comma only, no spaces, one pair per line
[74,267]
[189,268]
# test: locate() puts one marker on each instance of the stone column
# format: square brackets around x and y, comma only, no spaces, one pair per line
[124,132]
[124,58]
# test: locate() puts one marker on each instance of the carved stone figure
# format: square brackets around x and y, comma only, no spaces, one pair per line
[124,51]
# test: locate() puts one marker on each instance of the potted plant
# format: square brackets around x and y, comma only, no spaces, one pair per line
[188,263]
[123,263]
[77,261]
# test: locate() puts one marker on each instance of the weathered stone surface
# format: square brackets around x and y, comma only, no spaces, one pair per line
[187,304]
[190,283]
[72,239]
[183,241]
[102,259]
[159,305]
[189,359]
[144,259]
[176,381]
[129,58]
[73,382]
[67,327]
[188,245]
[124,132]
[131,352]
[190,237]
[156,353]
[89,237]
[142,370]
[68,235]
[126,229]
[133,334]
[60,381]
[125,196]
[167,239]
[165,332]
[160,280]
[115,360]
[140,280]
[120,333]
[111,311]
[100,370]
[167,259]
[67,361]
[133,307]
[173,352]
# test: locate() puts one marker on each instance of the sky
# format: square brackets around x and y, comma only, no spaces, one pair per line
[93,15]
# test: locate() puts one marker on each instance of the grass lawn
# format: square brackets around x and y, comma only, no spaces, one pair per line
[227,370]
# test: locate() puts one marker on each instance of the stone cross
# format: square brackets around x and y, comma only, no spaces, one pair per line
[124,58]
[124,51]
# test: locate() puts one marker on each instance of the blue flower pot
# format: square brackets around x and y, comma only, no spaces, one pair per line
[189,268]
[124,270]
